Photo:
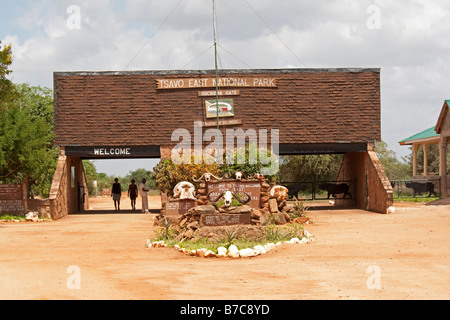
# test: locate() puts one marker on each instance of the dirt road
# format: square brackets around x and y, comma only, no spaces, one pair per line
[406,253]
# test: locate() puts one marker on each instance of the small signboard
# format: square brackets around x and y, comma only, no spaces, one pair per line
[11,199]
[213,93]
[215,220]
[225,106]
[177,207]
[113,152]
[11,192]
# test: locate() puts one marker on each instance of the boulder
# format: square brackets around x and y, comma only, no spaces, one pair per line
[289,207]
[247,253]
[245,209]
[236,210]
[183,221]
[194,225]
[209,254]
[32,216]
[269,246]
[205,209]
[221,252]
[256,213]
[273,205]
[259,249]
[301,220]
[304,240]
[201,252]
[277,218]
[188,234]
[233,251]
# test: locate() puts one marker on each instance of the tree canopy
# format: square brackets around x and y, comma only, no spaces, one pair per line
[27,153]
[6,86]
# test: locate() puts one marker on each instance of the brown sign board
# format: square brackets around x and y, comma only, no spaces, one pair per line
[11,199]
[213,93]
[12,207]
[11,192]
[232,122]
[196,83]
[178,207]
[215,220]
[250,187]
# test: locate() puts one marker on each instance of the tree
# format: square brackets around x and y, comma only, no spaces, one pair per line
[6,86]
[393,167]
[27,153]
[91,175]
[138,175]
[323,167]
[104,181]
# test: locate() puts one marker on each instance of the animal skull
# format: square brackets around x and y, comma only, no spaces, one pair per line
[258,176]
[184,190]
[280,193]
[228,197]
[207,177]
[239,175]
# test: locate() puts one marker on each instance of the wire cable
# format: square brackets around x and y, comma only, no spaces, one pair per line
[267,25]
[241,61]
[198,56]
[154,33]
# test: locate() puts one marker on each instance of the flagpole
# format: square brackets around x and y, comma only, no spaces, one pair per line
[217,75]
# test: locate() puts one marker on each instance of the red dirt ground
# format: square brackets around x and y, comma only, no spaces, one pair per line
[410,248]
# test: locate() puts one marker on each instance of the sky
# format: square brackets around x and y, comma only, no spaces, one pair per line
[408,39]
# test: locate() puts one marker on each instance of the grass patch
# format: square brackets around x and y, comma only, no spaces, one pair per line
[271,233]
[416,200]
[10,217]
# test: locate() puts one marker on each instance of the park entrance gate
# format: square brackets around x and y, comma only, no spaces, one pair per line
[137,113]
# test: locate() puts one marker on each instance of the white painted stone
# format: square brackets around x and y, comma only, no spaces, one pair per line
[233,251]
[259,249]
[247,252]
[222,252]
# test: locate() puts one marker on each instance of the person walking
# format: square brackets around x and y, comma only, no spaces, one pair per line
[116,192]
[132,193]
[143,193]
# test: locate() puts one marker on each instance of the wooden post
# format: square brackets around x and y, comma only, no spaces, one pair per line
[415,148]
[443,166]
[425,159]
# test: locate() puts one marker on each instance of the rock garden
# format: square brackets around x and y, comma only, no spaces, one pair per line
[232,214]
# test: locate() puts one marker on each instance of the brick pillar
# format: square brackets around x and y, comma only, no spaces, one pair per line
[373,189]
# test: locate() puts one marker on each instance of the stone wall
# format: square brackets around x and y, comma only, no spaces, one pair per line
[58,191]
[42,206]
[373,189]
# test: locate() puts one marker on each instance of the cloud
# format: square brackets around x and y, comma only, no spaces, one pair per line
[410,46]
